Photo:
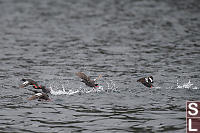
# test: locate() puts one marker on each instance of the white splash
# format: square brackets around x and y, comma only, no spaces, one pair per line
[111,85]
[186,85]
[60,89]
[71,92]
[63,92]
[157,87]
[195,88]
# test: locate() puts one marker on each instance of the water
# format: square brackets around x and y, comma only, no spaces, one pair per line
[49,41]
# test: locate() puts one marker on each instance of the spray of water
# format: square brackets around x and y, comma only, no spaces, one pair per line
[64,91]
[187,85]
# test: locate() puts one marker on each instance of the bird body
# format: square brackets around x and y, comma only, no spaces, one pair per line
[87,80]
[38,95]
[27,82]
[146,81]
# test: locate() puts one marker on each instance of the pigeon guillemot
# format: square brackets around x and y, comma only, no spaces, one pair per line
[40,96]
[87,80]
[27,82]
[146,81]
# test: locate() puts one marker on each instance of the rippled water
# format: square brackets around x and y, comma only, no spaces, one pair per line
[49,41]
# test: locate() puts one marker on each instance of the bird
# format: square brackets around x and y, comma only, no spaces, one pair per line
[86,79]
[146,81]
[27,82]
[40,96]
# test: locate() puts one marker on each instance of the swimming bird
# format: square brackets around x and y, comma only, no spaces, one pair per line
[146,81]
[27,82]
[86,79]
[40,96]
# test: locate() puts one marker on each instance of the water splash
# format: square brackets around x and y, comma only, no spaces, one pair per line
[63,92]
[71,92]
[110,86]
[157,87]
[188,85]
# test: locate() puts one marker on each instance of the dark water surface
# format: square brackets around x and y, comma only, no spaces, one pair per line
[50,40]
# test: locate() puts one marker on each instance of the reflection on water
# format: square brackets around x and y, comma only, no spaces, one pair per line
[49,41]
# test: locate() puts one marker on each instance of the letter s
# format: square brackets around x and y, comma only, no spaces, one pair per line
[193,108]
